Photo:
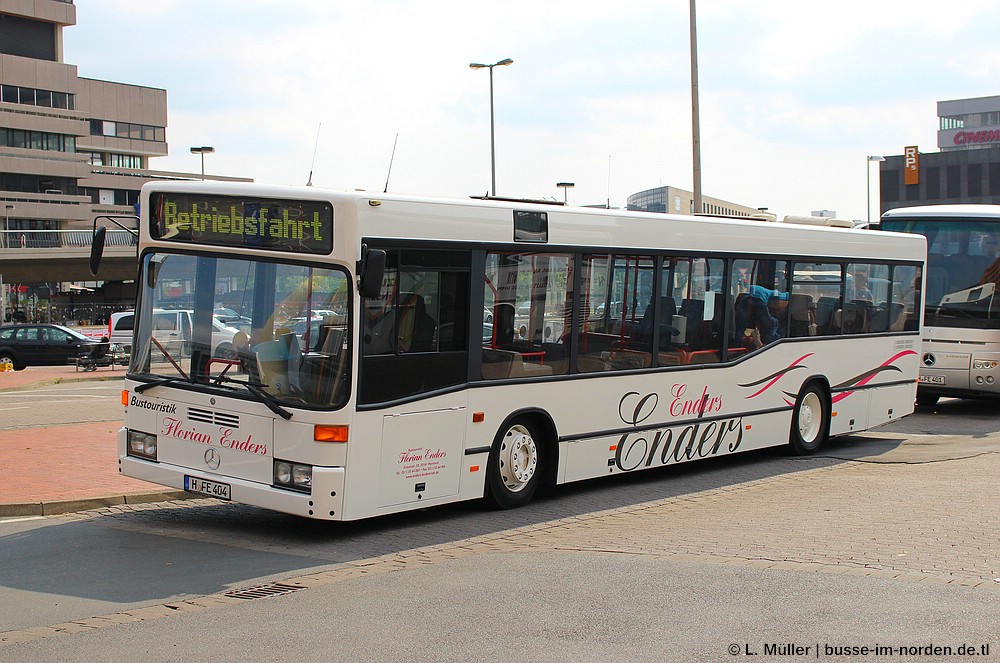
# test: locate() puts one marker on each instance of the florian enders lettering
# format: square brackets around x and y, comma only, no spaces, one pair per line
[225,438]
[674,444]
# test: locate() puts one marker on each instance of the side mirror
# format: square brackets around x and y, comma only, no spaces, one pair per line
[97,248]
[371,272]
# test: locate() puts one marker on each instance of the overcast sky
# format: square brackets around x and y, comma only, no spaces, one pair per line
[795,94]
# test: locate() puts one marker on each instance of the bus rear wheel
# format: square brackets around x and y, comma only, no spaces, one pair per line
[514,468]
[926,400]
[810,421]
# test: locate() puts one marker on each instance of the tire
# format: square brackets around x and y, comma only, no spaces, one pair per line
[9,358]
[514,470]
[810,420]
[927,400]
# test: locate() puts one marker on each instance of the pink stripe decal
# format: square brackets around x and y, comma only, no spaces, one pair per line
[779,375]
[865,378]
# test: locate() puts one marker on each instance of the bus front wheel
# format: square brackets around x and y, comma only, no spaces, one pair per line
[514,468]
[810,420]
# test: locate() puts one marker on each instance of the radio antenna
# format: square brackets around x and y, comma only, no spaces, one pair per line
[393,156]
[313,164]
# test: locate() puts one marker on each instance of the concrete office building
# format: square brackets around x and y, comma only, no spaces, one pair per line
[71,148]
[966,169]
[678,201]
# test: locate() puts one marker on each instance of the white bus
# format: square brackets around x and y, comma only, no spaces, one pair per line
[961,328]
[370,381]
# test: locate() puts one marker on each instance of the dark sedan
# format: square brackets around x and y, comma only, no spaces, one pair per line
[41,345]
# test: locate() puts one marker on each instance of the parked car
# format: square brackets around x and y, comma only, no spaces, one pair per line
[231,318]
[120,326]
[172,329]
[41,345]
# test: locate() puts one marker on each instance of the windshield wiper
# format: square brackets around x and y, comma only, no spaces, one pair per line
[257,389]
[159,382]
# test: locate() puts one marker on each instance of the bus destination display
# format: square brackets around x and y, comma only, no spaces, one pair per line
[281,225]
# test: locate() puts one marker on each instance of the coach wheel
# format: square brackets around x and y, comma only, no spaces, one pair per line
[927,400]
[809,421]
[8,358]
[513,471]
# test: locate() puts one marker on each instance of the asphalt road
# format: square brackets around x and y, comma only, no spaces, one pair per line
[885,539]
[66,403]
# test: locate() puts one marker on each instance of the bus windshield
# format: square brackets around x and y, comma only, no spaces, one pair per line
[275,332]
[963,271]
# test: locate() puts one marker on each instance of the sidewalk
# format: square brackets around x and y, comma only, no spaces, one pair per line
[70,467]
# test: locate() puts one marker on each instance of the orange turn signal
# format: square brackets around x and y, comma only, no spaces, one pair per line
[478,417]
[322,433]
[125,397]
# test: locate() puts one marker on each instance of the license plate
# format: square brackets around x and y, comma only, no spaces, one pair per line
[931,379]
[206,487]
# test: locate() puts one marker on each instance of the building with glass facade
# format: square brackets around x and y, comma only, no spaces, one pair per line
[966,169]
[678,201]
[71,148]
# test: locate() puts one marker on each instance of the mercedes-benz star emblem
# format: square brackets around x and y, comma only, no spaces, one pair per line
[929,359]
[212,458]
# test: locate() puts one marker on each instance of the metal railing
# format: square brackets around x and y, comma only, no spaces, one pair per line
[70,315]
[52,239]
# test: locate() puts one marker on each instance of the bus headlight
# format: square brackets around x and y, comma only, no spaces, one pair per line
[984,364]
[294,476]
[142,445]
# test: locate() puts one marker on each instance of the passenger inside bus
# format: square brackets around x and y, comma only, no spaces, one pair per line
[754,318]
[860,290]
[992,272]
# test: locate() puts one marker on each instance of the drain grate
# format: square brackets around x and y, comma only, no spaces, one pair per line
[273,589]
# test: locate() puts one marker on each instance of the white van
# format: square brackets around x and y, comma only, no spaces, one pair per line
[120,329]
[172,330]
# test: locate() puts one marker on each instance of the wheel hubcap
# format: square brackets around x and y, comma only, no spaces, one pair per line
[518,458]
[810,415]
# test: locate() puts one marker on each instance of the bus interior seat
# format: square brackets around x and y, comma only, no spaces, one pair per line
[669,333]
[496,364]
[741,315]
[825,319]
[879,319]
[642,336]
[556,357]
[503,325]
[415,327]
[692,310]
[272,358]
[714,327]
[802,315]
[855,317]
[897,317]
[499,364]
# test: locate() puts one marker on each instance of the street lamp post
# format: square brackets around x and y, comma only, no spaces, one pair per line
[695,115]
[493,154]
[203,150]
[564,186]
[868,182]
